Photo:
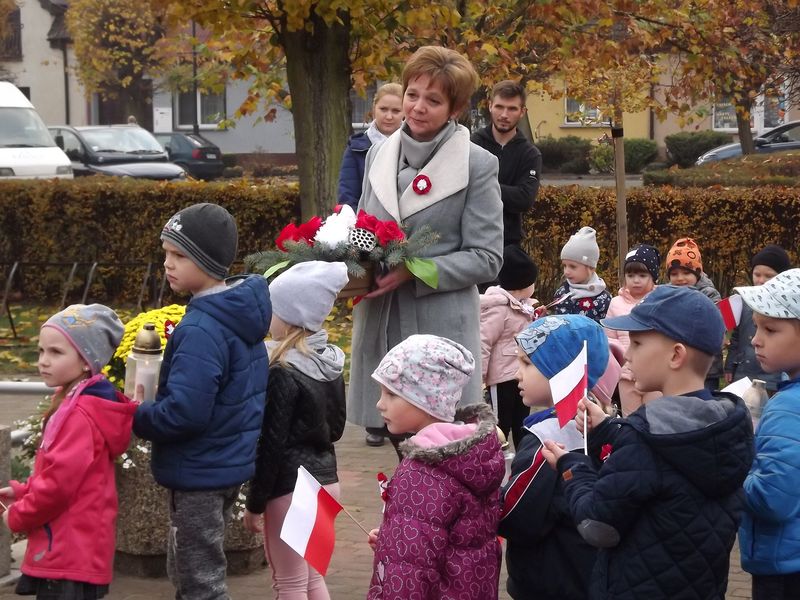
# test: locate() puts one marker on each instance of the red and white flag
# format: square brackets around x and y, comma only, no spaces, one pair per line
[309,524]
[569,386]
[731,309]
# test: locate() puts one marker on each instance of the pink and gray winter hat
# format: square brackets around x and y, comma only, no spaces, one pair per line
[428,371]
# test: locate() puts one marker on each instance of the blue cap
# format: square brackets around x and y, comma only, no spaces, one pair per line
[553,342]
[678,312]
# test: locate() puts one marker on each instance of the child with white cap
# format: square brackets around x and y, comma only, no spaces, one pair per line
[438,538]
[68,506]
[304,415]
[769,537]
[587,293]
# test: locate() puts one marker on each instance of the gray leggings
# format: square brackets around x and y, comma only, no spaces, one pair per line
[195,558]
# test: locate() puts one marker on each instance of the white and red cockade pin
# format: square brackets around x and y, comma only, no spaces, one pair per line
[421,184]
[169,327]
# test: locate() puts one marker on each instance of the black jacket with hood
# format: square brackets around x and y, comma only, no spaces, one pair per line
[520,168]
[665,506]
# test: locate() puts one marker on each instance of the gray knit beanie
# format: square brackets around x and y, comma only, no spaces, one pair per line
[94,331]
[303,295]
[582,248]
[207,234]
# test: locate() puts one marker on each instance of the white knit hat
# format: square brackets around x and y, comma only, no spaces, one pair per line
[303,295]
[582,248]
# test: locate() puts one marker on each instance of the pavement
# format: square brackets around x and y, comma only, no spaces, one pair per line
[351,567]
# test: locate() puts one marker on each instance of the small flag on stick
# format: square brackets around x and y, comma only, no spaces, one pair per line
[569,386]
[309,524]
[731,309]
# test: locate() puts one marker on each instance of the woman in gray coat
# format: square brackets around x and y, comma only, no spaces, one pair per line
[429,173]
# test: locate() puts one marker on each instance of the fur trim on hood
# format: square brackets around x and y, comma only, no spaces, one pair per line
[479,413]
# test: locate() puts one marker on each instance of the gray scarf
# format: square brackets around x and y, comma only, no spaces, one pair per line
[324,363]
[594,287]
[414,154]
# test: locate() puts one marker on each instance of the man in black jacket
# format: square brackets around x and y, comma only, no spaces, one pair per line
[520,160]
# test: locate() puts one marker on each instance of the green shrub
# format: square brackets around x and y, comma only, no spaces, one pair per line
[569,154]
[638,153]
[729,224]
[601,158]
[116,222]
[685,148]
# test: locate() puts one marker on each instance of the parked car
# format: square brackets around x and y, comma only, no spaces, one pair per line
[121,150]
[26,149]
[199,157]
[783,137]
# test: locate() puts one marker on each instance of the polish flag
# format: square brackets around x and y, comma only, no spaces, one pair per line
[569,386]
[731,309]
[308,527]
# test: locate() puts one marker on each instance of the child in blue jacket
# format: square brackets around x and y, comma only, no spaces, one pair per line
[769,538]
[206,419]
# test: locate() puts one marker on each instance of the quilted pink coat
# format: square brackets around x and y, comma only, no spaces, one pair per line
[502,317]
[438,540]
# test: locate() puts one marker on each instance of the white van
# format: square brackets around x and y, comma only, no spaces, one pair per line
[27,150]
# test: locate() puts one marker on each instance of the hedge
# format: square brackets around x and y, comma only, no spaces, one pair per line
[118,221]
[685,147]
[112,220]
[729,225]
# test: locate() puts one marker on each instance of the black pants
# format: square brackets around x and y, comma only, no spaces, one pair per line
[59,589]
[511,412]
[776,587]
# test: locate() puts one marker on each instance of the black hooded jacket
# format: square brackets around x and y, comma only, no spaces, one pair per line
[520,168]
[665,506]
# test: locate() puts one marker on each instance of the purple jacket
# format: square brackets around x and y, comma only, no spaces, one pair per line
[438,540]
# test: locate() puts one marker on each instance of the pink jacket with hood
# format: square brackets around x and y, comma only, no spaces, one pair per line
[68,506]
[438,538]
[502,317]
[621,305]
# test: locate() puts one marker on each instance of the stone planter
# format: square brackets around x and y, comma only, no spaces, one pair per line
[143,525]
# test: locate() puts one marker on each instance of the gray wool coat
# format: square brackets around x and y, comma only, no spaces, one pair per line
[464,207]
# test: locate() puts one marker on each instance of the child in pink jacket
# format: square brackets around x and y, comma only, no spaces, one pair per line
[438,538]
[68,506]
[641,275]
[506,310]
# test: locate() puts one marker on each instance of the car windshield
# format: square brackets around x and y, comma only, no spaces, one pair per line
[790,134]
[121,139]
[23,128]
[196,141]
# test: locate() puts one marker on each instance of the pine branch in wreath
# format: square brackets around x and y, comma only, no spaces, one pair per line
[421,238]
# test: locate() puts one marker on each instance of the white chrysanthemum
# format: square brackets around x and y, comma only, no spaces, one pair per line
[336,228]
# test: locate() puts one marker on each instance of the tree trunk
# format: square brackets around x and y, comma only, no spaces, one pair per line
[318,73]
[743,108]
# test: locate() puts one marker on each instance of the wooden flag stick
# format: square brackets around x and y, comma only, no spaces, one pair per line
[347,512]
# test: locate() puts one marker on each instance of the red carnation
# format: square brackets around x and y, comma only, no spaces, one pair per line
[364,220]
[388,231]
[303,233]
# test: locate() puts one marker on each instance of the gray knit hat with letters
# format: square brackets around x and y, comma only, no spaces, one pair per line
[207,234]
[94,331]
[582,248]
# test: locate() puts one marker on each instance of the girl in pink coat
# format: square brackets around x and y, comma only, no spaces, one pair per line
[438,538]
[506,310]
[68,506]
[641,275]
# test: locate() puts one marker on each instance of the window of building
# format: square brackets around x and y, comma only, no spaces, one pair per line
[578,113]
[210,109]
[768,111]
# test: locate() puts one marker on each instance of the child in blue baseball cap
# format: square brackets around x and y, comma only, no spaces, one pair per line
[665,505]
[546,558]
